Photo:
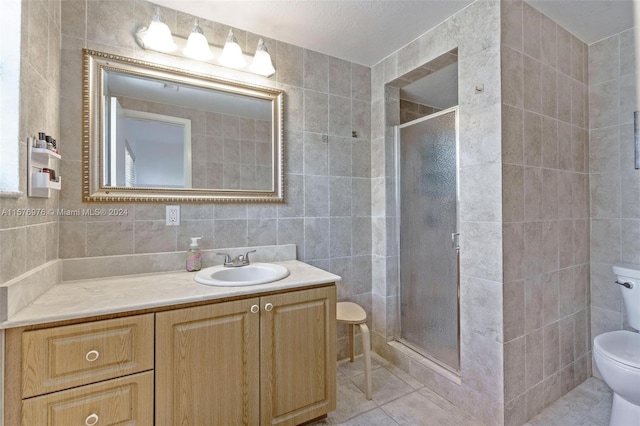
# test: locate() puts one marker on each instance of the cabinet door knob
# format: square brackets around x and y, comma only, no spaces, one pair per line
[255,309]
[92,355]
[268,307]
[91,419]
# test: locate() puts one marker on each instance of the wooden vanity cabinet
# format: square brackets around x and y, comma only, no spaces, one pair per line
[269,360]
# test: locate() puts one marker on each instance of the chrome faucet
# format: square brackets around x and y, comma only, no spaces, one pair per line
[236,262]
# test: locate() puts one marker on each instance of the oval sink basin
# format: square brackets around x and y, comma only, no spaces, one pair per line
[253,274]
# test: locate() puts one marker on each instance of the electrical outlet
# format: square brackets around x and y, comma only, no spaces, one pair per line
[173,216]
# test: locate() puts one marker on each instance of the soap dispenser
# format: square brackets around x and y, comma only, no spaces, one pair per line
[194,257]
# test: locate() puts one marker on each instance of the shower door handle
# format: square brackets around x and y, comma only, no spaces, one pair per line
[455,240]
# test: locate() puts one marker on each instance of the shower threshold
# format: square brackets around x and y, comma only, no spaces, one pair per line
[425,359]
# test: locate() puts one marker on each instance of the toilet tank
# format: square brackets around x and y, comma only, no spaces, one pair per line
[630,273]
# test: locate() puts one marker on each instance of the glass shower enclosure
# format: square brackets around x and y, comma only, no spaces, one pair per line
[427,208]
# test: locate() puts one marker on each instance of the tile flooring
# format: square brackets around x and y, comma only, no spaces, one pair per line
[399,399]
[589,404]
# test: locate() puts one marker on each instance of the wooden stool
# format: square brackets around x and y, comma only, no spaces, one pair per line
[352,314]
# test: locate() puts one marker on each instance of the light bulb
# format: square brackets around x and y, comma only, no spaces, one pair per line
[262,61]
[158,36]
[232,53]
[197,45]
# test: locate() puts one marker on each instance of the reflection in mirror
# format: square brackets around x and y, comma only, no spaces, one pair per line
[158,133]
[145,149]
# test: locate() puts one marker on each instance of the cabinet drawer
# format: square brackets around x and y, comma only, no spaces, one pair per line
[59,358]
[125,401]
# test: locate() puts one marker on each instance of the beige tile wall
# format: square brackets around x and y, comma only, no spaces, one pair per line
[614,182]
[545,211]
[410,111]
[327,213]
[27,242]
[475,32]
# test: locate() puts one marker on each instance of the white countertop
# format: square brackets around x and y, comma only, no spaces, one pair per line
[86,298]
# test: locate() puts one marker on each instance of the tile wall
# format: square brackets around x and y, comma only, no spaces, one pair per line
[475,32]
[328,209]
[410,111]
[27,242]
[545,210]
[615,183]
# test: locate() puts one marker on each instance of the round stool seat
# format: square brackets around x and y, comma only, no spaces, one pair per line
[350,313]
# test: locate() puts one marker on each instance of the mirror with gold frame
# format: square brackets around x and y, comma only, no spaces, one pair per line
[153,133]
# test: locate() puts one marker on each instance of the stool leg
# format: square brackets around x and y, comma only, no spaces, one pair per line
[352,350]
[366,349]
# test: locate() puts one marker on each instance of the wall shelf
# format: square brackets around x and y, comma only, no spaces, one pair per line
[40,180]
[39,183]
[42,155]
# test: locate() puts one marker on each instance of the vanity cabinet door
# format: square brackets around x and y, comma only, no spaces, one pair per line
[207,365]
[298,356]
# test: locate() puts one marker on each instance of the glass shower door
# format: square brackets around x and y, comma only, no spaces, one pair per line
[428,212]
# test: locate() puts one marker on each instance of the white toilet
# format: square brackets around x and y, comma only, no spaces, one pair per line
[617,353]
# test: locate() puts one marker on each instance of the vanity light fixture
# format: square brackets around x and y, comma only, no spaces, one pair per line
[262,61]
[197,45]
[158,35]
[232,53]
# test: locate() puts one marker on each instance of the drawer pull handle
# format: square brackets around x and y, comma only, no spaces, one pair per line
[92,419]
[255,309]
[268,307]
[92,356]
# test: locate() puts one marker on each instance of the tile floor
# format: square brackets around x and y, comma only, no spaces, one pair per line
[589,404]
[398,399]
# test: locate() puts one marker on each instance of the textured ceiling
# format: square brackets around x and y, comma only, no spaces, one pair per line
[363,32]
[589,20]
[366,31]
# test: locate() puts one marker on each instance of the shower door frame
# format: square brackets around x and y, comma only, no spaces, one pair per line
[455,237]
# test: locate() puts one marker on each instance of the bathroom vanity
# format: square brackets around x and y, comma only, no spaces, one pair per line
[162,349]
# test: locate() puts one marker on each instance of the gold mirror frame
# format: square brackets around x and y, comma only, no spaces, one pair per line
[93,188]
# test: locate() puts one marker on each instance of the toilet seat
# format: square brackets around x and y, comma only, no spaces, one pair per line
[620,346]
